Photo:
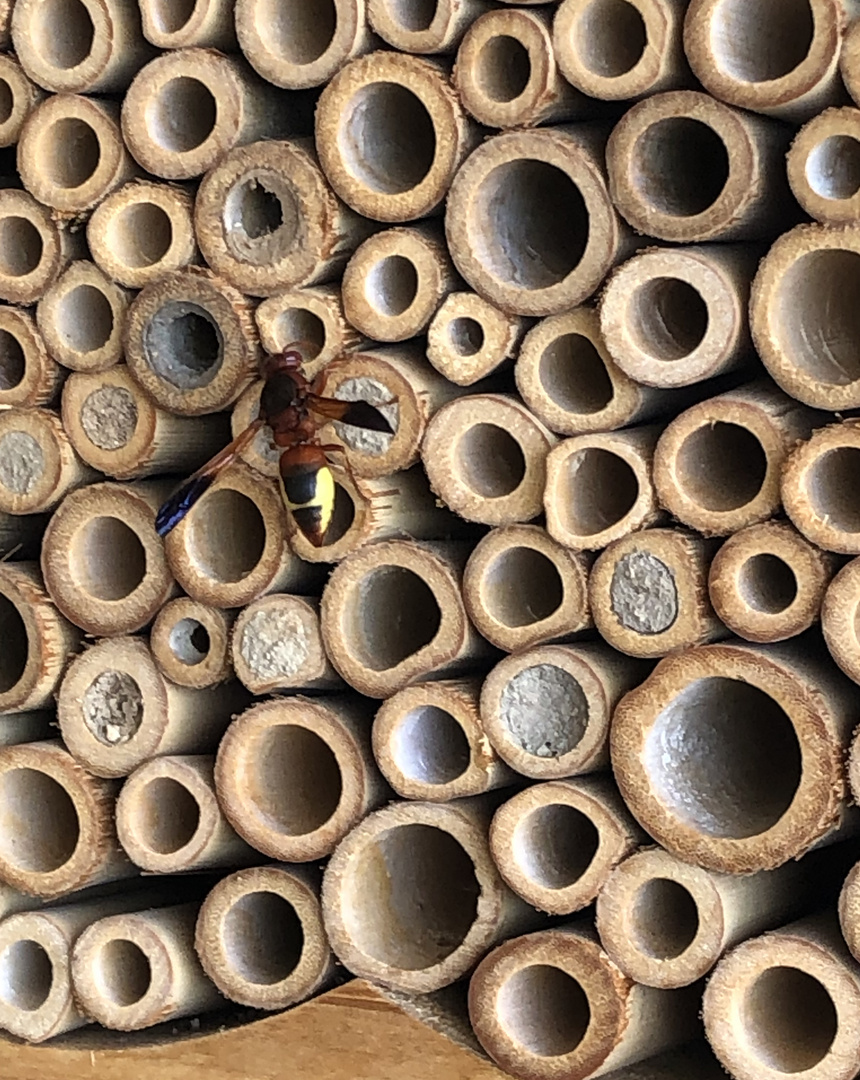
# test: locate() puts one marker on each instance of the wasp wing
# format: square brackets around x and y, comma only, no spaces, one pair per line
[357,413]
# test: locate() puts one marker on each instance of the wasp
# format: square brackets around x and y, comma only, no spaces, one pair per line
[294,409]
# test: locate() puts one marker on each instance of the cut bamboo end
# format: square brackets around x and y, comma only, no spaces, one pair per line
[767,583]
[486,457]
[849,909]
[19,96]
[547,710]
[391,133]
[823,166]
[521,588]
[529,220]
[818,480]
[840,620]
[142,232]
[437,27]
[261,939]
[103,561]
[81,318]
[599,488]
[556,843]
[190,342]
[468,338]
[176,24]
[38,464]
[323,746]
[313,316]
[29,375]
[35,248]
[190,642]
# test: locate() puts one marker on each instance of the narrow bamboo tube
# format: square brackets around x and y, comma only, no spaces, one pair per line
[260,937]
[849,902]
[176,24]
[133,971]
[468,337]
[391,133]
[103,562]
[24,727]
[411,898]
[29,375]
[823,166]
[35,247]
[191,343]
[818,482]
[19,95]
[116,710]
[685,167]
[190,642]
[168,819]
[323,746]
[521,588]
[839,620]
[599,487]
[21,535]
[529,220]
[713,753]
[81,318]
[142,232]
[435,27]
[392,613]
[38,464]
[553,1004]
[547,710]
[313,316]
[767,583]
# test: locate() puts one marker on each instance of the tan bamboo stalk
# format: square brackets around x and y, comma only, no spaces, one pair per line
[260,936]
[313,316]
[190,643]
[35,247]
[29,375]
[33,726]
[839,611]
[468,337]
[547,710]
[21,535]
[174,24]
[294,775]
[848,61]
[849,899]
[823,166]
[434,28]
[818,482]
[38,464]
[20,94]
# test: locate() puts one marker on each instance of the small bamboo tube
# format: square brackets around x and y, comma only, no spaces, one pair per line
[507,74]
[37,640]
[818,485]
[546,711]
[168,819]
[437,27]
[767,583]
[323,747]
[396,280]
[24,727]
[190,643]
[29,375]
[266,219]
[176,24]
[685,167]
[823,166]
[190,342]
[260,937]
[391,133]
[35,247]
[556,843]
[429,742]
[20,95]
[486,457]
[468,338]
[786,1003]
[116,710]
[529,220]
[411,898]
[142,232]
[599,488]
[713,753]
[553,1004]
[38,464]
[521,588]
[64,836]
[617,52]
[392,613]
[103,561]
[81,318]
[21,535]
[133,971]
[839,620]
[849,903]
[313,316]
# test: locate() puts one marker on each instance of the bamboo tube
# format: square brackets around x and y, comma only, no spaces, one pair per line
[713,753]
[116,710]
[323,747]
[839,622]
[391,133]
[486,457]
[313,316]
[29,375]
[818,484]
[190,342]
[38,464]
[19,95]
[849,899]
[823,166]
[599,487]
[24,727]
[142,232]
[437,27]
[103,562]
[411,898]
[521,588]
[174,24]
[35,247]
[81,318]
[767,583]
[553,1004]
[686,168]
[190,643]
[260,937]
[849,57]
[546,711]
[468,338]
[529,220]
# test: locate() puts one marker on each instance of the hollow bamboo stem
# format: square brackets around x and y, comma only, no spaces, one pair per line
[839,622]
[823,166]
[173,24]
[35,247]
[468,338]
[439,29]
[817,484]
[190,642]
[38,464]
[20,95]
[29,375]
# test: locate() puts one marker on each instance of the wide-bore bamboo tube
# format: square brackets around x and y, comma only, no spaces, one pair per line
[486,457]
[391,133]
[38,464]
[547,710]
[818,482]
[731,755]
[19,95]
[103,561]
[81,318]
[142,231]
[529,220]
[261,939]
[468,337]
[29,375]
[190,341]
[552,1004]
[314,316]
[295,774]
[116,710]
[35,247]
[179,24]
[429,742]
[190,642]
[823,166]
[839,620]
[522,588]
[434,27]
[767,583]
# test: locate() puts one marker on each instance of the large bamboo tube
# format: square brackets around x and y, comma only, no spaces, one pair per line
[35,247]
[81,318]
[468,338]
[839,619]
[437,27]
[178,24]
[313,316]
[818,484]
[190,643]
[20,96]
[38,464]
[823,166]
[29,375]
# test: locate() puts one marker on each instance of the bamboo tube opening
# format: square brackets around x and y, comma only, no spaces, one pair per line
[602,489]
[680,166]
[189,642]
[503,68]
[840,621]
[429,746]
[721,466]
[72,152]
[167,816]
[412,15]
[47,831]
[13,361]
[763,45]
[7,101]
[169,16]
[790,1019]
[141,234]
[391,618]
[107,558]
[122,972]
[303,29]
[81,318]
[15,654]
[222,514]
[508,602]
[573,375]
[466,336]
[183,344]
[556,845]
[544,1009]
[26,975]
[668,318]
[18,97]
[611,37]
[263,938]
[823,165]
[21,246]
[834,486]
[833,167]
[491,460]
[664,918]
[767,583]
[62,31]
[85,318]
[301,324]
[182,114]
[392,285]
